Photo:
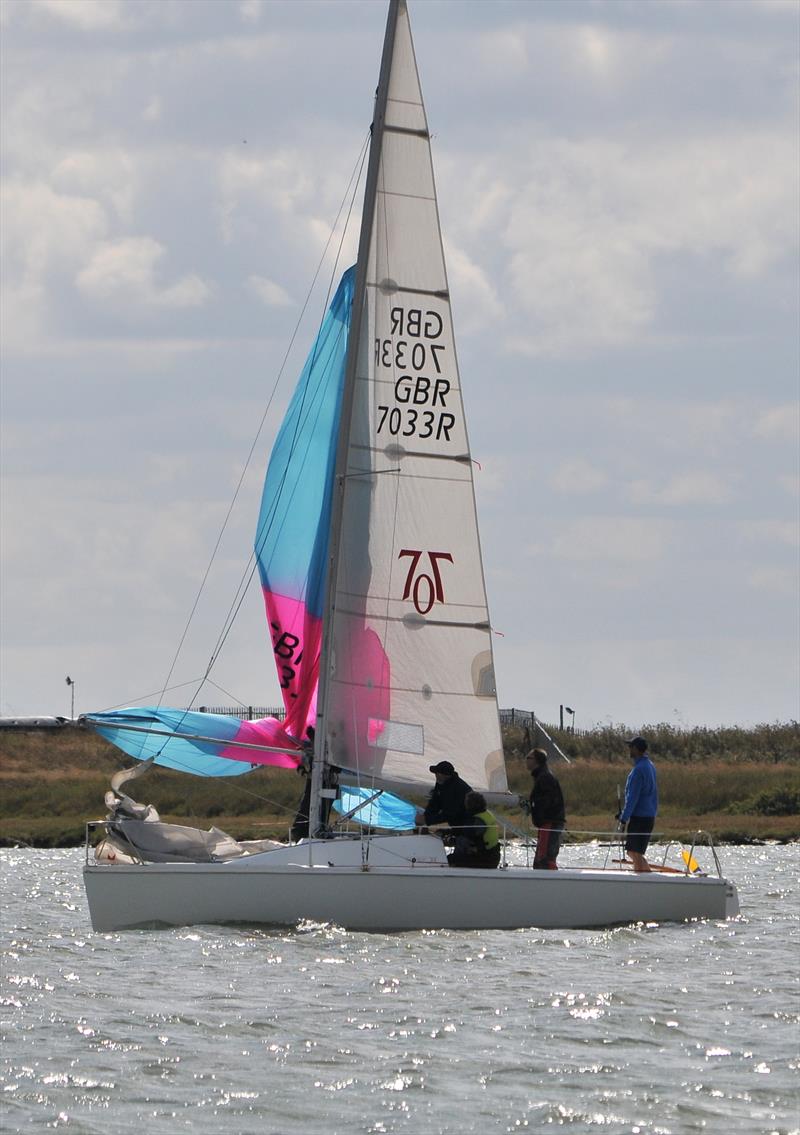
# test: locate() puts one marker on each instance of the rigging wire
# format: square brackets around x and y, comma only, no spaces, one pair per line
[252,564]
[149,697]
[244,583]
[227,693]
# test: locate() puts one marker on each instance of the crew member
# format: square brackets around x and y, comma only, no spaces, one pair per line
[477,844]
[446,801]
[546,804]
[641,803]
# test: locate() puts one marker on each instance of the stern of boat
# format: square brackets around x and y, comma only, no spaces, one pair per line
[731,899]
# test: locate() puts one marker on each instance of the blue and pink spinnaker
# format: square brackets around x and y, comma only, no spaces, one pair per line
[291,549]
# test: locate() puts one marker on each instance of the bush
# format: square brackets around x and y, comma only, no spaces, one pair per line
[781,802]
[770,743]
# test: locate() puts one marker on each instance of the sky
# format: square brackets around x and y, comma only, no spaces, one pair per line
[618,189]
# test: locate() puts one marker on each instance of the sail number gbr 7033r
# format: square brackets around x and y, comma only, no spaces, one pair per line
[420,408]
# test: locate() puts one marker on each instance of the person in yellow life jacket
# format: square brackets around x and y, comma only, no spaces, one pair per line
[477,842]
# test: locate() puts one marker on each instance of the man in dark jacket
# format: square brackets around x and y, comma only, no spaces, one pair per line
[547,810]
[446,801]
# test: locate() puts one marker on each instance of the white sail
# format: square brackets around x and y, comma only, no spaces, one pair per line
[408,677]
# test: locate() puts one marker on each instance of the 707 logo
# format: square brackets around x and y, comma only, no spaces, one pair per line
[424,589]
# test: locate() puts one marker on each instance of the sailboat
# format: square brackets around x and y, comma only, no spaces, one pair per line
[370,563]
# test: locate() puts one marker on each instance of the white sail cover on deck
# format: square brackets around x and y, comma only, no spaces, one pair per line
[410,677]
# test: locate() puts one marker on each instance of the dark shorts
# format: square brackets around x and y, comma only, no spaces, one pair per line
[638,837]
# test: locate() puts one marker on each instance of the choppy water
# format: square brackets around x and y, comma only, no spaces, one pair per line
[656,1030]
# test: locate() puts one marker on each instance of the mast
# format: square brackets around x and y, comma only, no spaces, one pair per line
[337,505]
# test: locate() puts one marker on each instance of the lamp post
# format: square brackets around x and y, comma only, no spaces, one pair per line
[71,685]
[571,728]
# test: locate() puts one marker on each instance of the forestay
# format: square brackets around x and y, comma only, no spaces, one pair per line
[410,676]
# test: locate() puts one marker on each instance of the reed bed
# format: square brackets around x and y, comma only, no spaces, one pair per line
[740,784]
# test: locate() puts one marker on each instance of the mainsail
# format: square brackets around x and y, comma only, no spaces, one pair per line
[408,674]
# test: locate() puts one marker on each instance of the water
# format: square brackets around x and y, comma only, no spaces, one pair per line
[658,1030]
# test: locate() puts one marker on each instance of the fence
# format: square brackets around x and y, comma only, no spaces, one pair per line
[244,712]
[524,718]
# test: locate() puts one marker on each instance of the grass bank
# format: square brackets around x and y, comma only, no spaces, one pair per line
[741,785]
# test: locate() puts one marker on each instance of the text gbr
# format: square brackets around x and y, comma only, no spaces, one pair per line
[421,399]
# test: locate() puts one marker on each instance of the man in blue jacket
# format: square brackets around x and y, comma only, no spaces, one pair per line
[641,803]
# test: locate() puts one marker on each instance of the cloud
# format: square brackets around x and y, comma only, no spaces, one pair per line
[479,304]
[767,532]
[682,427]
[153,109]
[780,423]
[597,48]
[617,57]
[790,483]
[125,271]
[103,543]
[578,476]
[44,237]
[250,11]
[589,56]
[88,15]
[43,230]
[270,293]
[503,52]
[494,476]
[112,179]
[590,223]
[281,182]
[774,580]
[683,489]
[623,538]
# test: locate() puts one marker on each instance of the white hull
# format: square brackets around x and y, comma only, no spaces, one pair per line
[266,889]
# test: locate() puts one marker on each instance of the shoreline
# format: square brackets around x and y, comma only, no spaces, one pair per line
[39,834]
